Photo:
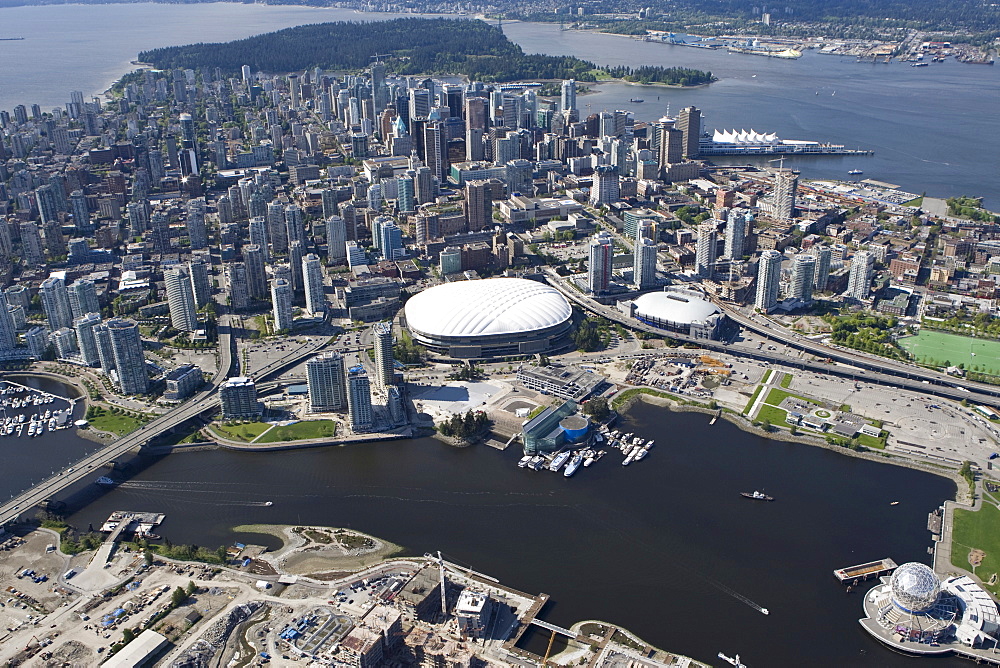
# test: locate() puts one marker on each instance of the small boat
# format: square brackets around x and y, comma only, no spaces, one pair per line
[894,503]
[650,443]
[573,465]
[733,661]
[757,496]
[559,460]
[635,100]
[639,455]
[536,463]
[920,65]
[764,611]
[631,457]
[269,503]
[590,460]
[855,171]
[523,461]
[106,481]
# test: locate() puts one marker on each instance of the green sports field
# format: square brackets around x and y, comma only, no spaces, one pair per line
[936,348]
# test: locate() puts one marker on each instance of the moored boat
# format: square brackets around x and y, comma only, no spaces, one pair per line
[558,461]
[756,496]
[573,465]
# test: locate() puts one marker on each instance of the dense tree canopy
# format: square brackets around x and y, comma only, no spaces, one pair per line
[417,45]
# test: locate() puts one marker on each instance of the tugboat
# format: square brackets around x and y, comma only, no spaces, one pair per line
[756,496]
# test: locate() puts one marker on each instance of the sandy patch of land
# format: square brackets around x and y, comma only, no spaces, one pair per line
[321,552]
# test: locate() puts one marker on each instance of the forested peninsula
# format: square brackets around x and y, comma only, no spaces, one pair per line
[435,46]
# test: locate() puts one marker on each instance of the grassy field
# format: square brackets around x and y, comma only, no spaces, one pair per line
[620,400]
[978,530]
[786,381]
[118,424]
[776,416]
[753,398]
[241,432]
[776,396]
[301,431]
[936,348]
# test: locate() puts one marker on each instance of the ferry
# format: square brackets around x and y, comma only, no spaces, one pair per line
[855,171]
[559,460]
[573,465]
[757,496]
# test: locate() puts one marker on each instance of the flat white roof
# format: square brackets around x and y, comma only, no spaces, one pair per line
[138,651]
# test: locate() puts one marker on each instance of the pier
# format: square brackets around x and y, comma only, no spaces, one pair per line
[852,574]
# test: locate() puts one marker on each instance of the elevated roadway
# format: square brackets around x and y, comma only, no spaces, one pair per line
[841,362]
[206,400]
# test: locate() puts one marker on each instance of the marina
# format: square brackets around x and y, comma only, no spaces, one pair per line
[633,449]
[22,415]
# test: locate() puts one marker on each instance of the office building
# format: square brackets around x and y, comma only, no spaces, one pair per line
[327,383]
[312,276]
[281,300]
[567,101]
[359,400]
[478,205]
[385,369]
[182,382]
[689,123]
[803,278]
[238,397]
[768,280]
[602,250]
[605,188]
[180,298]
[130,364]
[644,263]
[860,278]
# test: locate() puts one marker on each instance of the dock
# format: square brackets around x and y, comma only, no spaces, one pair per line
[872,569]
[122,521]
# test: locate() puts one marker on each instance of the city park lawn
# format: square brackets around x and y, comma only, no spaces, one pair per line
[776,396]
[102,419]
[776,416]
[936,348]
[300,431]
[978,530]
[245,432]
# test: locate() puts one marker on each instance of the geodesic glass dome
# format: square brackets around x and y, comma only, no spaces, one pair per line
[915,587]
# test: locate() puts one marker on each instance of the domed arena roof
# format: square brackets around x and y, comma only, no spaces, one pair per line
[679,306]
[915,587]
[487,307]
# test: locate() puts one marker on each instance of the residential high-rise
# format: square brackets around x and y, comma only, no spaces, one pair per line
[605,188]
[803,278]
[8,333]
[105,351]
[567,101]
[201,281]
[385,364]
[180,298]
[336,240]
[735,232]
[238,284]
[644,263]
[860,278]
[706,248]
[238,397]
[31,243]
[83,297]
[406,194]
[330,207]
[327,383]
[55,301]
[48,204]
[359,400]
[197,233]
[159,222]
[296,251]
[786,182]
[391,243]
[294,226]
[768,280]
[823,256]
[689,123]
[86,338]
[478,205]
[126,345]
[80,211]
[281,300]
[602,250]
[276,229]
[253,258]
[312,276]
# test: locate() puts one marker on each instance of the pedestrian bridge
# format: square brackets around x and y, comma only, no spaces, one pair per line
[552,627]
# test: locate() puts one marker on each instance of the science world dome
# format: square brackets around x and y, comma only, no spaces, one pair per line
[490,317]
[915,587]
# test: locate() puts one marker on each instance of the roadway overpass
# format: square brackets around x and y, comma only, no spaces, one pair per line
[851,365]
[201,402]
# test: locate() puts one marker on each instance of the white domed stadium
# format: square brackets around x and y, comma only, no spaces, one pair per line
[679,310]
[493,317]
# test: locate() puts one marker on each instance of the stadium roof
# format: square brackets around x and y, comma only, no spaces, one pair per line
[486,307]
[675,306]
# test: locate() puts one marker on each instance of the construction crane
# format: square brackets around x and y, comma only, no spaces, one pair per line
[444,599]
[780,161]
